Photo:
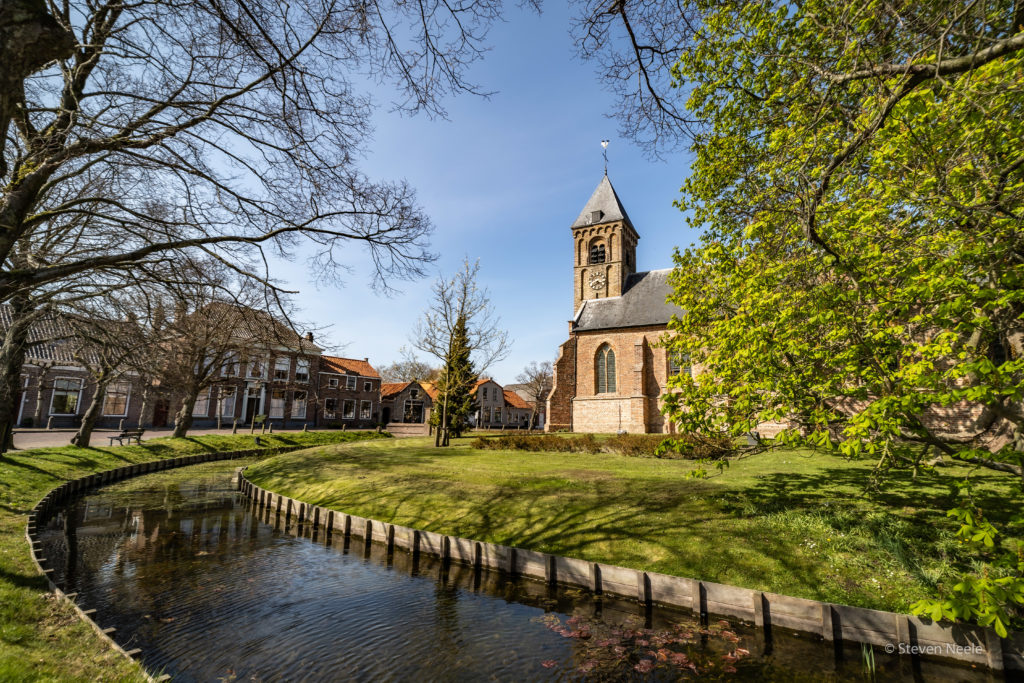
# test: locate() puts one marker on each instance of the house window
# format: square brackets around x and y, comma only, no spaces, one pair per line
[66,394]
[332,382]
[227,401]
[597,253]
[201,408]
[605,370]
[497,414]
[679,364]
[367,386]
[485,393]
[302,370]
[330,407]
[256,367]
[413,412]
[277,403]
[281,366]
[350,382]
[230,366]
[115,403]
[348,409]
[299,405]
[487,415]
[365,410]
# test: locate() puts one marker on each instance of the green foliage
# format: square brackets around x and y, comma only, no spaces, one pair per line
[700,448]
[860,273]
[457,381]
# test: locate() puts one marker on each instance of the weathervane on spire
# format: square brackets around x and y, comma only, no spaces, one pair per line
[604,145]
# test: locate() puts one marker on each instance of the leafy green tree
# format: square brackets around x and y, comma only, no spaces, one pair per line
[858,176]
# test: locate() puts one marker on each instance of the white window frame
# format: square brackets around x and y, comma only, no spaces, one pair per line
[299,405]
[250,362]
[78,400]
[222,396]
[276,412]
[203,398]
[350,382]
[497,414]
[344,409]
[231,360]
[367,386]
[485,393]
[302,368]
[365,410]
[287,368]
[329,413]
[332,382]
[127,398]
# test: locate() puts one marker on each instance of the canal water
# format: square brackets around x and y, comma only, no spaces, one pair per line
[210,589]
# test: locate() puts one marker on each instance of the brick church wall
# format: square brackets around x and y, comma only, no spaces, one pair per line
[560,400]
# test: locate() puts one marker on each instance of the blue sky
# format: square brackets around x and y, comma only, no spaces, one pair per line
[503,179]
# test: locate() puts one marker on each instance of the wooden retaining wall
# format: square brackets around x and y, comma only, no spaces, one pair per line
[904,633]
[58,496]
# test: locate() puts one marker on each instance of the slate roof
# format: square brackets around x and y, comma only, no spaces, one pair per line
[350,366]
[51,339]
[642,303]
[606,202]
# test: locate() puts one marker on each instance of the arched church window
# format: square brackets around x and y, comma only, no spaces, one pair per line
[605,370]
[597,253]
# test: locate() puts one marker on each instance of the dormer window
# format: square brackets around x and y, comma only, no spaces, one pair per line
[415,393]
[597,253]
[596,216]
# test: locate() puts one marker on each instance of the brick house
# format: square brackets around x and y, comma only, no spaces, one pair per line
[406,407]
[540,405]
[57,388]
[348,393]
[498,408]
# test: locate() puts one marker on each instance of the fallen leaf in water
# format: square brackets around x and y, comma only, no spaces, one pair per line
[549,663]
[644,666]
[167,620]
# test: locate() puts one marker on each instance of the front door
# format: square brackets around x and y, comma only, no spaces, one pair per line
[386,415]
[160,412]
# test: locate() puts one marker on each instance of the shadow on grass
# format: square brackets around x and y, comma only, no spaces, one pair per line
[19,580]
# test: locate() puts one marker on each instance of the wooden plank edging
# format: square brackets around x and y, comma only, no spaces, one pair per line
[933,640]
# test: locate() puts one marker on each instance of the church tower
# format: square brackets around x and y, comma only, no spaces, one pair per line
[604,247]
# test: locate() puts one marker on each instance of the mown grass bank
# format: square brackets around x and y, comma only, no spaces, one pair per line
[40,639]
[801,524]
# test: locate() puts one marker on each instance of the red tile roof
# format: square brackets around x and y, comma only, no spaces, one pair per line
[513,399]
[349,366]
[389,389]
[431,390]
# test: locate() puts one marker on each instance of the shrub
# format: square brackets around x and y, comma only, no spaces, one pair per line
[633,445]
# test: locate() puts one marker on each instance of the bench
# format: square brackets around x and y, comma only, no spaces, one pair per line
[128,434]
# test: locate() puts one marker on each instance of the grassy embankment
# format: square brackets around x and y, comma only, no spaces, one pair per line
[797,523]
[40,639]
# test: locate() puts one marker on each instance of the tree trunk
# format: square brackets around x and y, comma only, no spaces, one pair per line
[12,356]
[40,404]
[142,408]
[92,413]
[183,421]
[444,421]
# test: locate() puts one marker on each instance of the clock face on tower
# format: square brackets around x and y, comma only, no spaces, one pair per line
[597,281]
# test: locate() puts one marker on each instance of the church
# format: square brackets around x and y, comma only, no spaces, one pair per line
[611,372]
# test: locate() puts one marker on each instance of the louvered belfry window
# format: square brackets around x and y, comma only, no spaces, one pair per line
[605,370]
[597,253]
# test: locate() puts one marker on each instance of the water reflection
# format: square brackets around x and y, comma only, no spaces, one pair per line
[210,588]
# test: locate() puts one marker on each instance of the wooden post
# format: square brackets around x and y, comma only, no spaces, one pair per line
[234,427]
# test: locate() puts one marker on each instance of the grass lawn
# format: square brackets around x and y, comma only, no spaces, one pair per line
[39,638]
[797,523]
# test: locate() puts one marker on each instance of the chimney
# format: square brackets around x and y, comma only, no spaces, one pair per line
[366,360]
[309,337]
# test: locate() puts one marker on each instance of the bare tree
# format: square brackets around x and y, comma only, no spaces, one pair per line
[231,127]
[409,369]
[535,381]
[460,317]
